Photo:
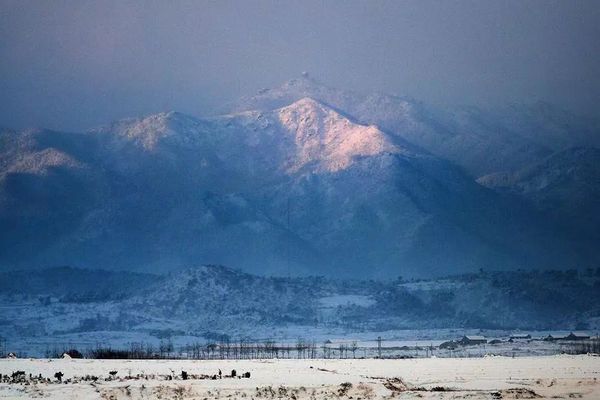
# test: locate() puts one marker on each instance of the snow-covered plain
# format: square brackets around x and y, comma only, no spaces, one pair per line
[478,378]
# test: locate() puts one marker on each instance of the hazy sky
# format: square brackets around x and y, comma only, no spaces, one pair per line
[77,64]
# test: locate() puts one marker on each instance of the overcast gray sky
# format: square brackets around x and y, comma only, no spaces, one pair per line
[77,64]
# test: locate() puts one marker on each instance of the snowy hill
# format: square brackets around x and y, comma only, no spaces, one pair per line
[207,302]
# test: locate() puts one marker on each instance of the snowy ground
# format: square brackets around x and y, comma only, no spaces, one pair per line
[435,378]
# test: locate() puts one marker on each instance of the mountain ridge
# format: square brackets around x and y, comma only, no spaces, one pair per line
[479,140]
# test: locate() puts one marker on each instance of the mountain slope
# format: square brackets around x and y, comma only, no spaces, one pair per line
[480,141]
[325,138]
[564,186]
[130,206]
[393,208]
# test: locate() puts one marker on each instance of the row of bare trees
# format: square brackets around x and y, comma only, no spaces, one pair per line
[242,349]
[591,346]
[218,350]
[302,349]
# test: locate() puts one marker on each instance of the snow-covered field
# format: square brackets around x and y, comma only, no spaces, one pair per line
[474,378]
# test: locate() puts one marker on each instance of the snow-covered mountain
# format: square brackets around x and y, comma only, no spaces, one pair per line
[481,141]
[306,180]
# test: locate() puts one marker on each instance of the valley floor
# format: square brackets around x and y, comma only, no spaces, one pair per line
[433,378]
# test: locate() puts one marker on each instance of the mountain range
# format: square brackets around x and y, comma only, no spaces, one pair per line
[308,180]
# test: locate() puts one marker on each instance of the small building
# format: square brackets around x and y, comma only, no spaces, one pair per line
[472,339]
[577,336]
[450,345]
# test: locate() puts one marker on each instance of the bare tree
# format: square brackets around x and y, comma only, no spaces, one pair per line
[353,348]
[325,350]
[299,347]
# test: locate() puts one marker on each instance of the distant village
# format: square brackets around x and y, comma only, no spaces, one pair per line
[472,340]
